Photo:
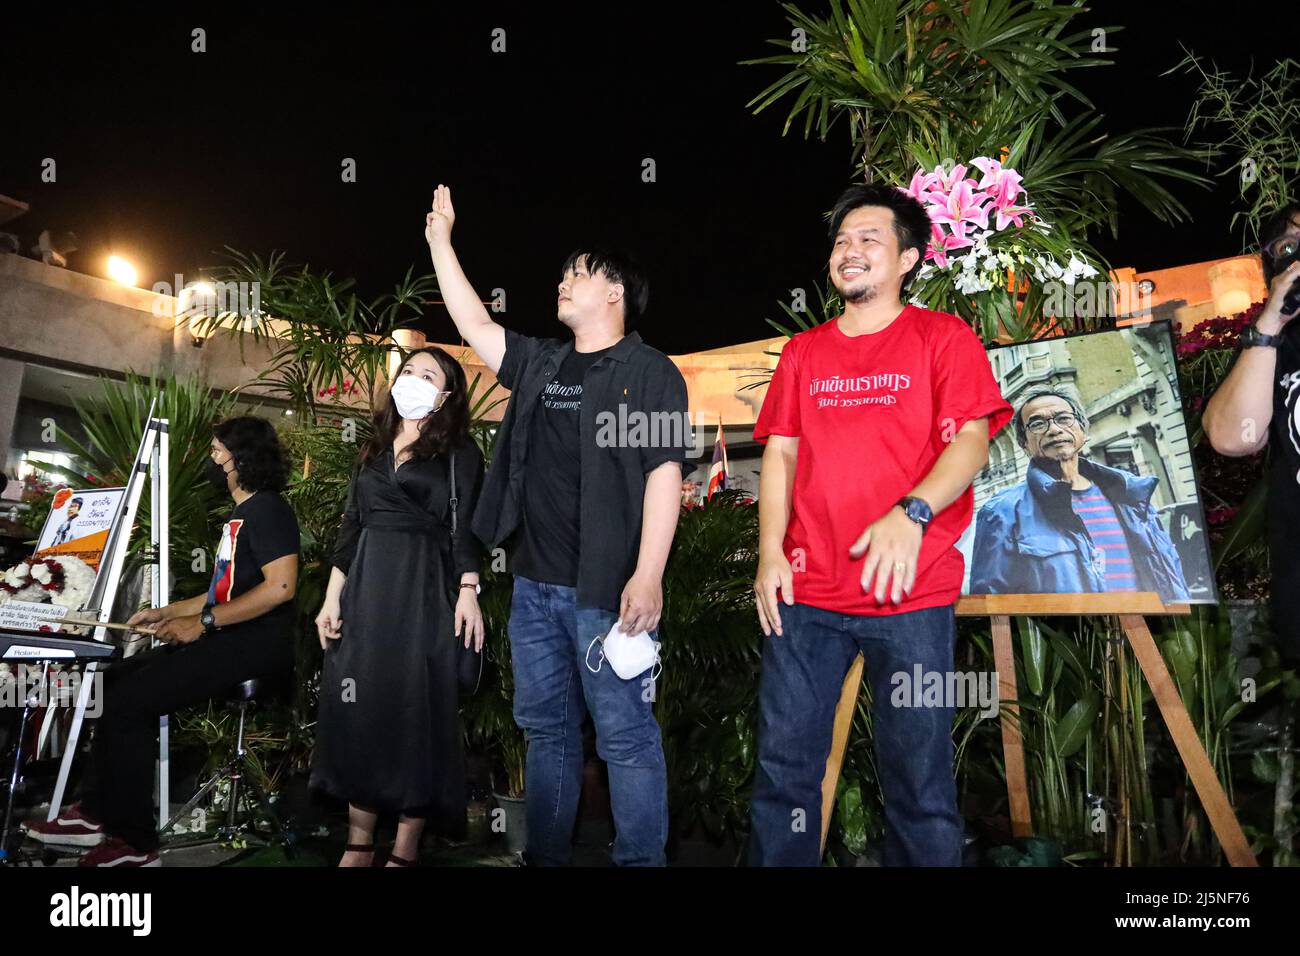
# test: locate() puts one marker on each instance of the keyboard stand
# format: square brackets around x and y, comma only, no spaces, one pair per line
[29,703]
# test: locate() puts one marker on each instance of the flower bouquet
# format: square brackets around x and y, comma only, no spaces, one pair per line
[990,258]
[65,581]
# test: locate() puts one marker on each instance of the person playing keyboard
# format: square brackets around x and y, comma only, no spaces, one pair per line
[239,630]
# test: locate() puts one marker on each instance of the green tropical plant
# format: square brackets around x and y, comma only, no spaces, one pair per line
[481,405]
[923,83]
[1199,651]
[922,80]
[1254,130]
[278,742]
[706,697]
[490,726]
[321,334]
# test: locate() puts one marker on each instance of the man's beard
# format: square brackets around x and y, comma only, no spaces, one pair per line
[861,295]
[858,296]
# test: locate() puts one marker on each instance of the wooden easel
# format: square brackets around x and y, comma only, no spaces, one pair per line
[1130,608]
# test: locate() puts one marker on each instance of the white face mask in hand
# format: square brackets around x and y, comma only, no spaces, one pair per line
[414,397]
[628,654]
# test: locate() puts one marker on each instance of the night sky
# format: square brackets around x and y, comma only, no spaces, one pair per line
[165,156]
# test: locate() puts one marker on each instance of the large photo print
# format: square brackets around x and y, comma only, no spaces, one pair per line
[1091,487]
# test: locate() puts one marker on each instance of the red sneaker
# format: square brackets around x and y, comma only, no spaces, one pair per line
[69,828]
[116,852]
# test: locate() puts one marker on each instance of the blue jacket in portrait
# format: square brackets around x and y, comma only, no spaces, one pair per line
[1028,540]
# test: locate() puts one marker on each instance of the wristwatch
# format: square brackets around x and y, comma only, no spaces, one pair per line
[478,589]
[208,621]
[1252,337]
[917,510]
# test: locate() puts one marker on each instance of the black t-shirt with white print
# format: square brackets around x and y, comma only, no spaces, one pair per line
[260,529]
[1284,491]
[548,543]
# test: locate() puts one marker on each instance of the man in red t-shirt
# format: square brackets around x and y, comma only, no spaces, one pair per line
[875,424]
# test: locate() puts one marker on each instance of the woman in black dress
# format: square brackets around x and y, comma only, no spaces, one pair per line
[401,593]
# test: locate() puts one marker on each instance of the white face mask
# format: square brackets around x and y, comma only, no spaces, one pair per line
[628,654]
[414,397]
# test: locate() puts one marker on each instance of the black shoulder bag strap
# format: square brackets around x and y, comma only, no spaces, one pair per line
[454,499]
[469,662]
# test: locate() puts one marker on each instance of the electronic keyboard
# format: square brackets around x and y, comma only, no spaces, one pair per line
[20,644]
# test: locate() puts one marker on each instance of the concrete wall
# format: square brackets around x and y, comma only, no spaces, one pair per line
[50,316]
[11,387]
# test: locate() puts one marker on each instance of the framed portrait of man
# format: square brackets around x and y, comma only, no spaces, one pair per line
[1091,488]
[78,524]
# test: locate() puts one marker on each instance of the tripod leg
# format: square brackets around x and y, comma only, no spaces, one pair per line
[13,783]
[238,765]
[196,799]
[281,832]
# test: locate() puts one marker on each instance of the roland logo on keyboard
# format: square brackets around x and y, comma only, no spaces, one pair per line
[19,650]
[25,685]
[78,909]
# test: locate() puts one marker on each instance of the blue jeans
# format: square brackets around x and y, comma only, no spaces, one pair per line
[554,690]
[803,671]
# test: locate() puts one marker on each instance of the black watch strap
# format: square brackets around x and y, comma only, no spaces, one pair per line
[207,620]
[1252,337]
[917,510]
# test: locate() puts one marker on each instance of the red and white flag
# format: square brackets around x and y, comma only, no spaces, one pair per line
[718,470]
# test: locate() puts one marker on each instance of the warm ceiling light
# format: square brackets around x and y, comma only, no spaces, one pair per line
[196,306]
[119,270]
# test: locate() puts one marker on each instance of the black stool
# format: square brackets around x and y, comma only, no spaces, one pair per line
[241,786]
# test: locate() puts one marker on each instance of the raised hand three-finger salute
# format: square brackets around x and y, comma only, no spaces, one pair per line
[472,320]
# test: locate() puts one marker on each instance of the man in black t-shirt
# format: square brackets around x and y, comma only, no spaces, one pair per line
[586,479]
[241,629]
[1258,404]
[548,542]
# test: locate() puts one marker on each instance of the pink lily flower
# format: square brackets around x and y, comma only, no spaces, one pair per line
[990,167]
[1011,213]
[1002,185]
[962,205]
[946,181]
[942,242]
[922,185]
